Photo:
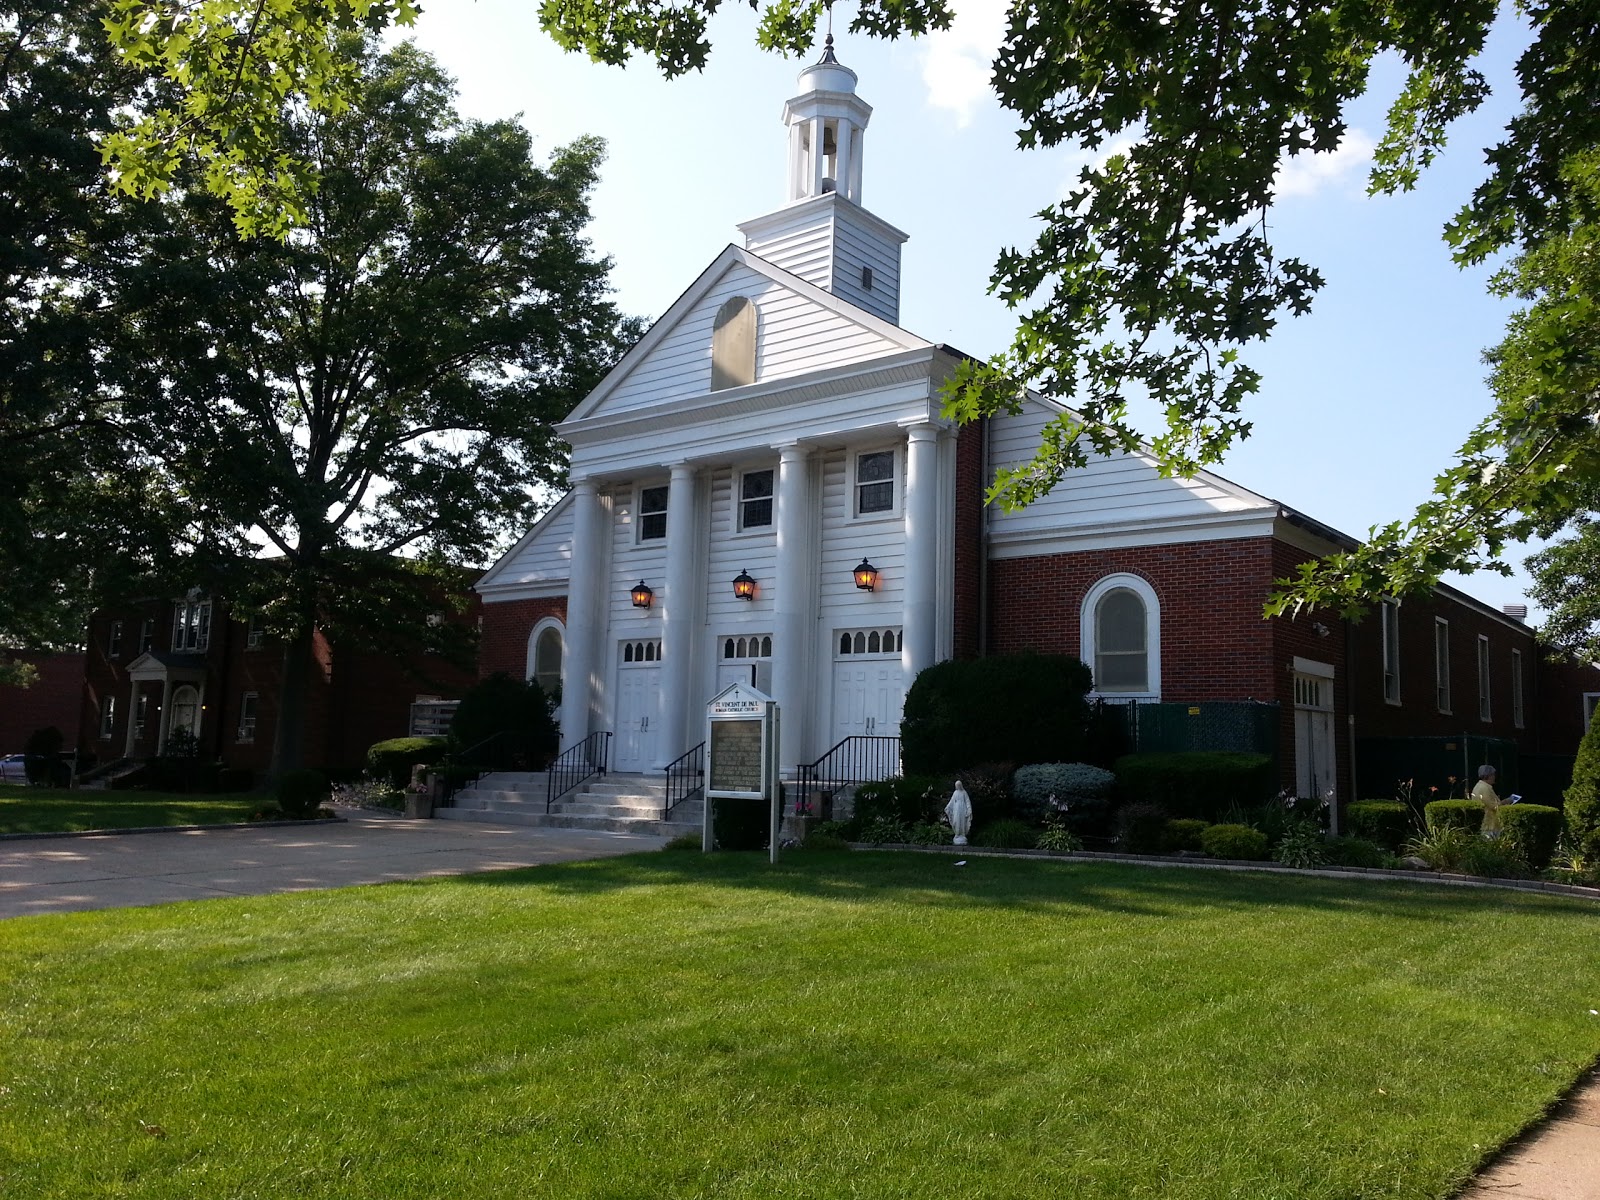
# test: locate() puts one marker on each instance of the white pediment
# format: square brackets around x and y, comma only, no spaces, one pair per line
[801,330]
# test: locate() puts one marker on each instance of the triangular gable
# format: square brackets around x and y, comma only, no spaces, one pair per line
[801,328]
[540,560]
[737,698]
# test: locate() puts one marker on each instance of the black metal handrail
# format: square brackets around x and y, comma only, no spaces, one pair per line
[507,750]
[575,765]
[686,776]
[860,758]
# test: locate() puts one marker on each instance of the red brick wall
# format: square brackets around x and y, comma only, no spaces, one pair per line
[503,642]
[970,443]
[1558,715]
[52,699]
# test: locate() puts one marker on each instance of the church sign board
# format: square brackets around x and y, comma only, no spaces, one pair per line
[742,754]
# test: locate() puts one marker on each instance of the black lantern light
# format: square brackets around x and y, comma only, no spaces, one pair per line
[866,576]
[642,595]
[744,587]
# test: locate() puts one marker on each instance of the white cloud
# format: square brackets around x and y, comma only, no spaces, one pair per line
[1308,174]
[957,62]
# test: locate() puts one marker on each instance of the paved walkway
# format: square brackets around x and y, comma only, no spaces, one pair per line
[46,875]
[1559,1160]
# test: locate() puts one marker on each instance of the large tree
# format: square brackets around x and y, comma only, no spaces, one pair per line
[384,380]
[1151,276]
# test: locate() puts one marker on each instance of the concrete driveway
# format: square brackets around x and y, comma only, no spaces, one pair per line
[71,874]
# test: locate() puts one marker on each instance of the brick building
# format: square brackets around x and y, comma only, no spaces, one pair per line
[155,666]
[51,700]
[766,490]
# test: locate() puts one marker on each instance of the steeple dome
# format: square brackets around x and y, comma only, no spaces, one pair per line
[822,233]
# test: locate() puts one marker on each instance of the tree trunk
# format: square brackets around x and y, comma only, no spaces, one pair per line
[289,738]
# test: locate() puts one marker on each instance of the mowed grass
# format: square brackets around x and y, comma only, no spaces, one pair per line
[845,1025]
[65,810]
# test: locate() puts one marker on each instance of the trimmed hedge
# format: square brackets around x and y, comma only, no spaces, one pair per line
[392,760]
[1537,828]
[1070,783]
[1581,802]
[1455,814]
[1386,822]
[1197,783]
[1182,834]
[500,705]
[1020,708]
[1234,841]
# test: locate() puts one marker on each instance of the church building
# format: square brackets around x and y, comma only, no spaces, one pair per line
[764,490]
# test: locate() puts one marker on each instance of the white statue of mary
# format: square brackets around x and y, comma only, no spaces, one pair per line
[959,813]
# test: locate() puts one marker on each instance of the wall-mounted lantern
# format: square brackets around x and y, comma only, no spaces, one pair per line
[744,587]
[642,595]
[866,576]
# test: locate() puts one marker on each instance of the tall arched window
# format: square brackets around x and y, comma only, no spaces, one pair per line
[1121,639]
[545,645]
[733,344]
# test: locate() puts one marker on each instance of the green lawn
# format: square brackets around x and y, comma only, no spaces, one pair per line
[845,1025]
[60,810]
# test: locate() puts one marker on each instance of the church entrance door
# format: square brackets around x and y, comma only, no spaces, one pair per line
[638,706]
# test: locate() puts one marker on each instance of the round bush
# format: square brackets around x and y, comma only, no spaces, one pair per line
[1021,708]
[301,793]
[392,760]
[1069,783]
[1386,822]
[1454,814]
[1234,841]
[1182,834]
[1537,828]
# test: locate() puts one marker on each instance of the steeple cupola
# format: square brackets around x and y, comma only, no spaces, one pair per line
[822,233]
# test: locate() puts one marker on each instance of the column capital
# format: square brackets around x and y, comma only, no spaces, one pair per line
[681,469]
[923,431]
[792,452]
[585,486]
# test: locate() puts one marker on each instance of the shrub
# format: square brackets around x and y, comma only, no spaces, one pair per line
[392,760]
[880,830]
[1454,814]
[301,793]
[905,800]
[1006,834]
[1234,841]
[1495,858]
[928,833]
[989,788]
[1140,828]
[740,824]
[1444,848]
[1355,852]
[41,758]
[685,841]
[1069,784]
[1023,708]
[1581,802]
[816,840]
[517,709]
[1058,839]
[1302,846]
[1537,829]
[1386,822]
[1182,834]
[1196,783]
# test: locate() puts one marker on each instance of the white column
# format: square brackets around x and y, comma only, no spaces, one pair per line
[797,162]
[678,616]
[922,549]
[796,583]
[819,160]
[133,712]
[855,167]
[845,164]
[164,717]
[586,614]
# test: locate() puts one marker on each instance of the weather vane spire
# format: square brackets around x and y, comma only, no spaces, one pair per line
[827,46]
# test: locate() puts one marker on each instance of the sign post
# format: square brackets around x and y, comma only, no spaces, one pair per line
[742,756]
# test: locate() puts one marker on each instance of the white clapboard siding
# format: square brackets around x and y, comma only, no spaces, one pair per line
[730,552]
[795,336]
[803,247]
[1121,488]
[631,561]
[856,247]
[539,562]
[846,541]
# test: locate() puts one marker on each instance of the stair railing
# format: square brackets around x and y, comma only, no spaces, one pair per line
[576,765]
[860,758]
[686,778]
[503,751]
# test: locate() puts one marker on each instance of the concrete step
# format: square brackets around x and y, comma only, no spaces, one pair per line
[567,821]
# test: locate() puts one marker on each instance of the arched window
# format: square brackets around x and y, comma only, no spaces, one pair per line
[546,645]
[733,344]
[185,712]
[1121,638]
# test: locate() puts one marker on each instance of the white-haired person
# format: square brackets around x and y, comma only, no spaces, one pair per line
[1484,791]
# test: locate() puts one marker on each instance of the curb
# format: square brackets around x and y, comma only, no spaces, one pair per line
[220,825]
[1235,864]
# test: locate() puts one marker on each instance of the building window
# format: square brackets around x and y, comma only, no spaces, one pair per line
[185,713]
[247,716]
[1483,678]
[755,500]
[1121,636]
[652,513]
[147,634]
[871,641]
[114,642]
[1516,689]
[752,646]
[141,712]
[647,651]
[733,344]
[1591,701]
[875,482]
[545,648]
[108,717]
[1441,662]
[1389,614]
[191,625]
[255,632]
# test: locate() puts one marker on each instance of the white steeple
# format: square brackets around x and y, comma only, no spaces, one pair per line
[822,233]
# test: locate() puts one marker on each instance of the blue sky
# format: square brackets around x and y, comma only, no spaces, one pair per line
[1364,400]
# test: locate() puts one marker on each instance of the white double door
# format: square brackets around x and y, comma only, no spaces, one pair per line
[638,717]
[868,695]
[1316,774]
